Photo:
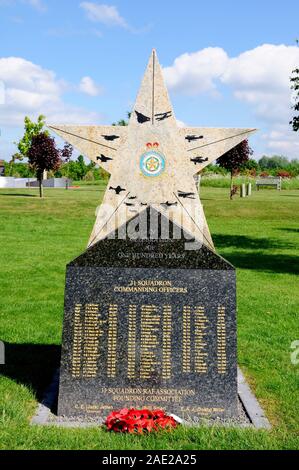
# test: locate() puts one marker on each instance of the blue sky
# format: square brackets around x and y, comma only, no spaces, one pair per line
[226,64]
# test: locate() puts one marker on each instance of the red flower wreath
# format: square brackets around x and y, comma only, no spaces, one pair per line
[139,421]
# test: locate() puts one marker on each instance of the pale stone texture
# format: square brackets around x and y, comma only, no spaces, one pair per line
[180,153]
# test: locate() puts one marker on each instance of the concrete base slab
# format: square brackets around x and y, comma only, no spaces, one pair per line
[250,412]
[251,405]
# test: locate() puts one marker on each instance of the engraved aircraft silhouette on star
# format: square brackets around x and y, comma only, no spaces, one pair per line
[169,204]
[196,160]
[141,118]
[193,137]
[162,116]
[110,137]
[186,195]
[104,159]
[117,190]
[152,158]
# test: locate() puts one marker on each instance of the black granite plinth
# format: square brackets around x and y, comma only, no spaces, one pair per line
[149,323]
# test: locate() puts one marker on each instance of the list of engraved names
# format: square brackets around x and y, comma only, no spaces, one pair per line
[151,327]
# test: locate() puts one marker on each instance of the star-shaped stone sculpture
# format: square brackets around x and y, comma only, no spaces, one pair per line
[152,161]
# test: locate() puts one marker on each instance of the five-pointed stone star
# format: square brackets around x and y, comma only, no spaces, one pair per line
[152,162]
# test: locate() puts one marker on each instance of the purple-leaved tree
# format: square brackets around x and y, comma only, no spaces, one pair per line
[234,159]
[43,155]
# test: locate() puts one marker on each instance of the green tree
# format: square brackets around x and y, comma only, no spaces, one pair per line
[122,122]
[251,164]
[274,162]
[216,169]
[82,167]
[75,170]
[234,159]
[11,164]
[293,167]
[32,129]
[18,170]
[66,155]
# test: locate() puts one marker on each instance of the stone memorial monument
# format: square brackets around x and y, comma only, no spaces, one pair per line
[150,308]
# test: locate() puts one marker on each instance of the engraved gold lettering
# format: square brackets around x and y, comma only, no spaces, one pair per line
[132,342]
[91,341]
[112,340]
[221,341]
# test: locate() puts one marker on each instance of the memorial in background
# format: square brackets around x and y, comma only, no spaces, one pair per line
[150,308]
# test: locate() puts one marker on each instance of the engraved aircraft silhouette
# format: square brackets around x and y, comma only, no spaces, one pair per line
[143,203]
[162,116]
[129,204]
[141,118]
[169,204]
[103,158]
[190,138]
[110,137]
[196,160]
[118,189]
[185,195]
[133,197]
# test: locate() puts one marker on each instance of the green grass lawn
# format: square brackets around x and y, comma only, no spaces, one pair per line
[220,181]
[259,235]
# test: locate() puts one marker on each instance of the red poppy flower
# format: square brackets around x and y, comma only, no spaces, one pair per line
[139,421]
[158,414]
[166,423]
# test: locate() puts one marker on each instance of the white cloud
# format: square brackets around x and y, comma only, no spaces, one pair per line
[197,72]
[2,92]
[37,4]
[106,14]
[32,90]
[259,77]
[281,140]
[88,86]
[109,15]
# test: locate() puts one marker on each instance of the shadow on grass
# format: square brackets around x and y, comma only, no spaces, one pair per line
[32,365]
[18,195]
[250,243]
[255,257]
[288,229]
[259,261]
